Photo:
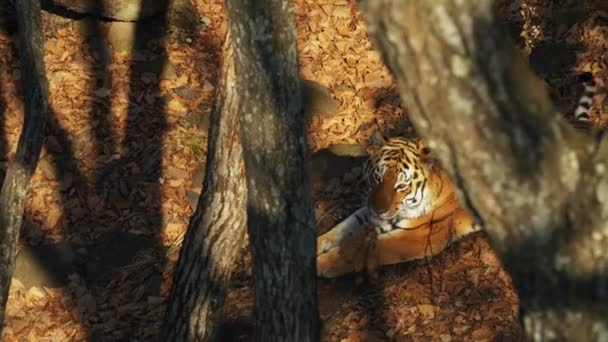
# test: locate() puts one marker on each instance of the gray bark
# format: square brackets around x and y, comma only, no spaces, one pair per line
[35,93]
[537,186]
[279,207]
[217,229]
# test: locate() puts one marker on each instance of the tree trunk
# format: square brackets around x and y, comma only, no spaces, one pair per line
[35,93]
[217,229]
[538,188]
[279,208]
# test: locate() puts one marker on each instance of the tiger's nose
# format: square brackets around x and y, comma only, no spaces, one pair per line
[382,215]
[381,195]
[379,202]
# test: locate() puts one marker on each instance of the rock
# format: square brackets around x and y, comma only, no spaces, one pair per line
[94,31]
[113,250]
[175,105]
[169,72]
[121,36]
[186,93]
[195,189]
[174,172]
[198,176]
[334,162]
[86,27]
[192,197]
[125,10]
[47,265]
[348,150]
[199,119]
[160,66]
[318,100]
[48,169]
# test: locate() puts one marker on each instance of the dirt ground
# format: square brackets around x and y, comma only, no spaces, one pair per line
[127,133]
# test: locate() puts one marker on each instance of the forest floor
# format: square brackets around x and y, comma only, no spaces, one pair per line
[108,205]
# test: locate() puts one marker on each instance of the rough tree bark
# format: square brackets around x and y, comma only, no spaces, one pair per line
[279,207]
[539,189]
[35,93]
[217,229]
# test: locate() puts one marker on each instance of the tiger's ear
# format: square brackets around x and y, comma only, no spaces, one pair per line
[425,152]
[378,140]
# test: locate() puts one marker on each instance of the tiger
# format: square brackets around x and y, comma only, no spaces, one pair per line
[582,120]
[412,210]
[411,204]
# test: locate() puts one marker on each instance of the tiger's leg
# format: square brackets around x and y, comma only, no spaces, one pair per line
[342,249]
[363,248]
[351,226]
[349,256]
[403,245]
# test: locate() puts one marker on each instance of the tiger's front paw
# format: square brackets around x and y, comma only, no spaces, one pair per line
[331,265]
[351,255]
[325,242]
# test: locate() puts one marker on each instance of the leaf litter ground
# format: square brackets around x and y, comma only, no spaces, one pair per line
[122,149]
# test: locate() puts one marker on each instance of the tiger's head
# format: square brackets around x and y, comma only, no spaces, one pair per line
[398,173]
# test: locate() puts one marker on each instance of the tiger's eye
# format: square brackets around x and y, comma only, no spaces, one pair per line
[401,187]
[377,177]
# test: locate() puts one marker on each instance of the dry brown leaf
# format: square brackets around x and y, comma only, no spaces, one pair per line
[482,334]
[427,310]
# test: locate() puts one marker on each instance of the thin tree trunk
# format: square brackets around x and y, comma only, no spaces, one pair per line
[538,188]
[279,207]
[35,93]
[217,229]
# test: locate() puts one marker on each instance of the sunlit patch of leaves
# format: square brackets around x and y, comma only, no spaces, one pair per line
[198,144]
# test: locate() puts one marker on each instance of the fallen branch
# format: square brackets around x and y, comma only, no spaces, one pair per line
[20,170]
